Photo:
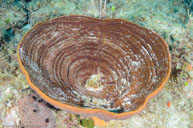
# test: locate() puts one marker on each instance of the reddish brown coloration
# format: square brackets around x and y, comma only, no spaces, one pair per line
[79,62]
[169,103]
[35,114]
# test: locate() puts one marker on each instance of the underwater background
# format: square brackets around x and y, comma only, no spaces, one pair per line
[172,19]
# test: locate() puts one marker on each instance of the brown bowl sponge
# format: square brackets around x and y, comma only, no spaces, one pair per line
[108,68]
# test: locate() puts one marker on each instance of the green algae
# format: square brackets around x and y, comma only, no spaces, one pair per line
[8,21]
[88,123]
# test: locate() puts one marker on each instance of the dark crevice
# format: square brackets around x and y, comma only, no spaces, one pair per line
[47,120]
[117,111]
[8,34]
[52,107]
[27,16]
[40,100]
[34,110]
[27,1]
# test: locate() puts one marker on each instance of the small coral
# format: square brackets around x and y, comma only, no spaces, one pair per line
[35,113]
